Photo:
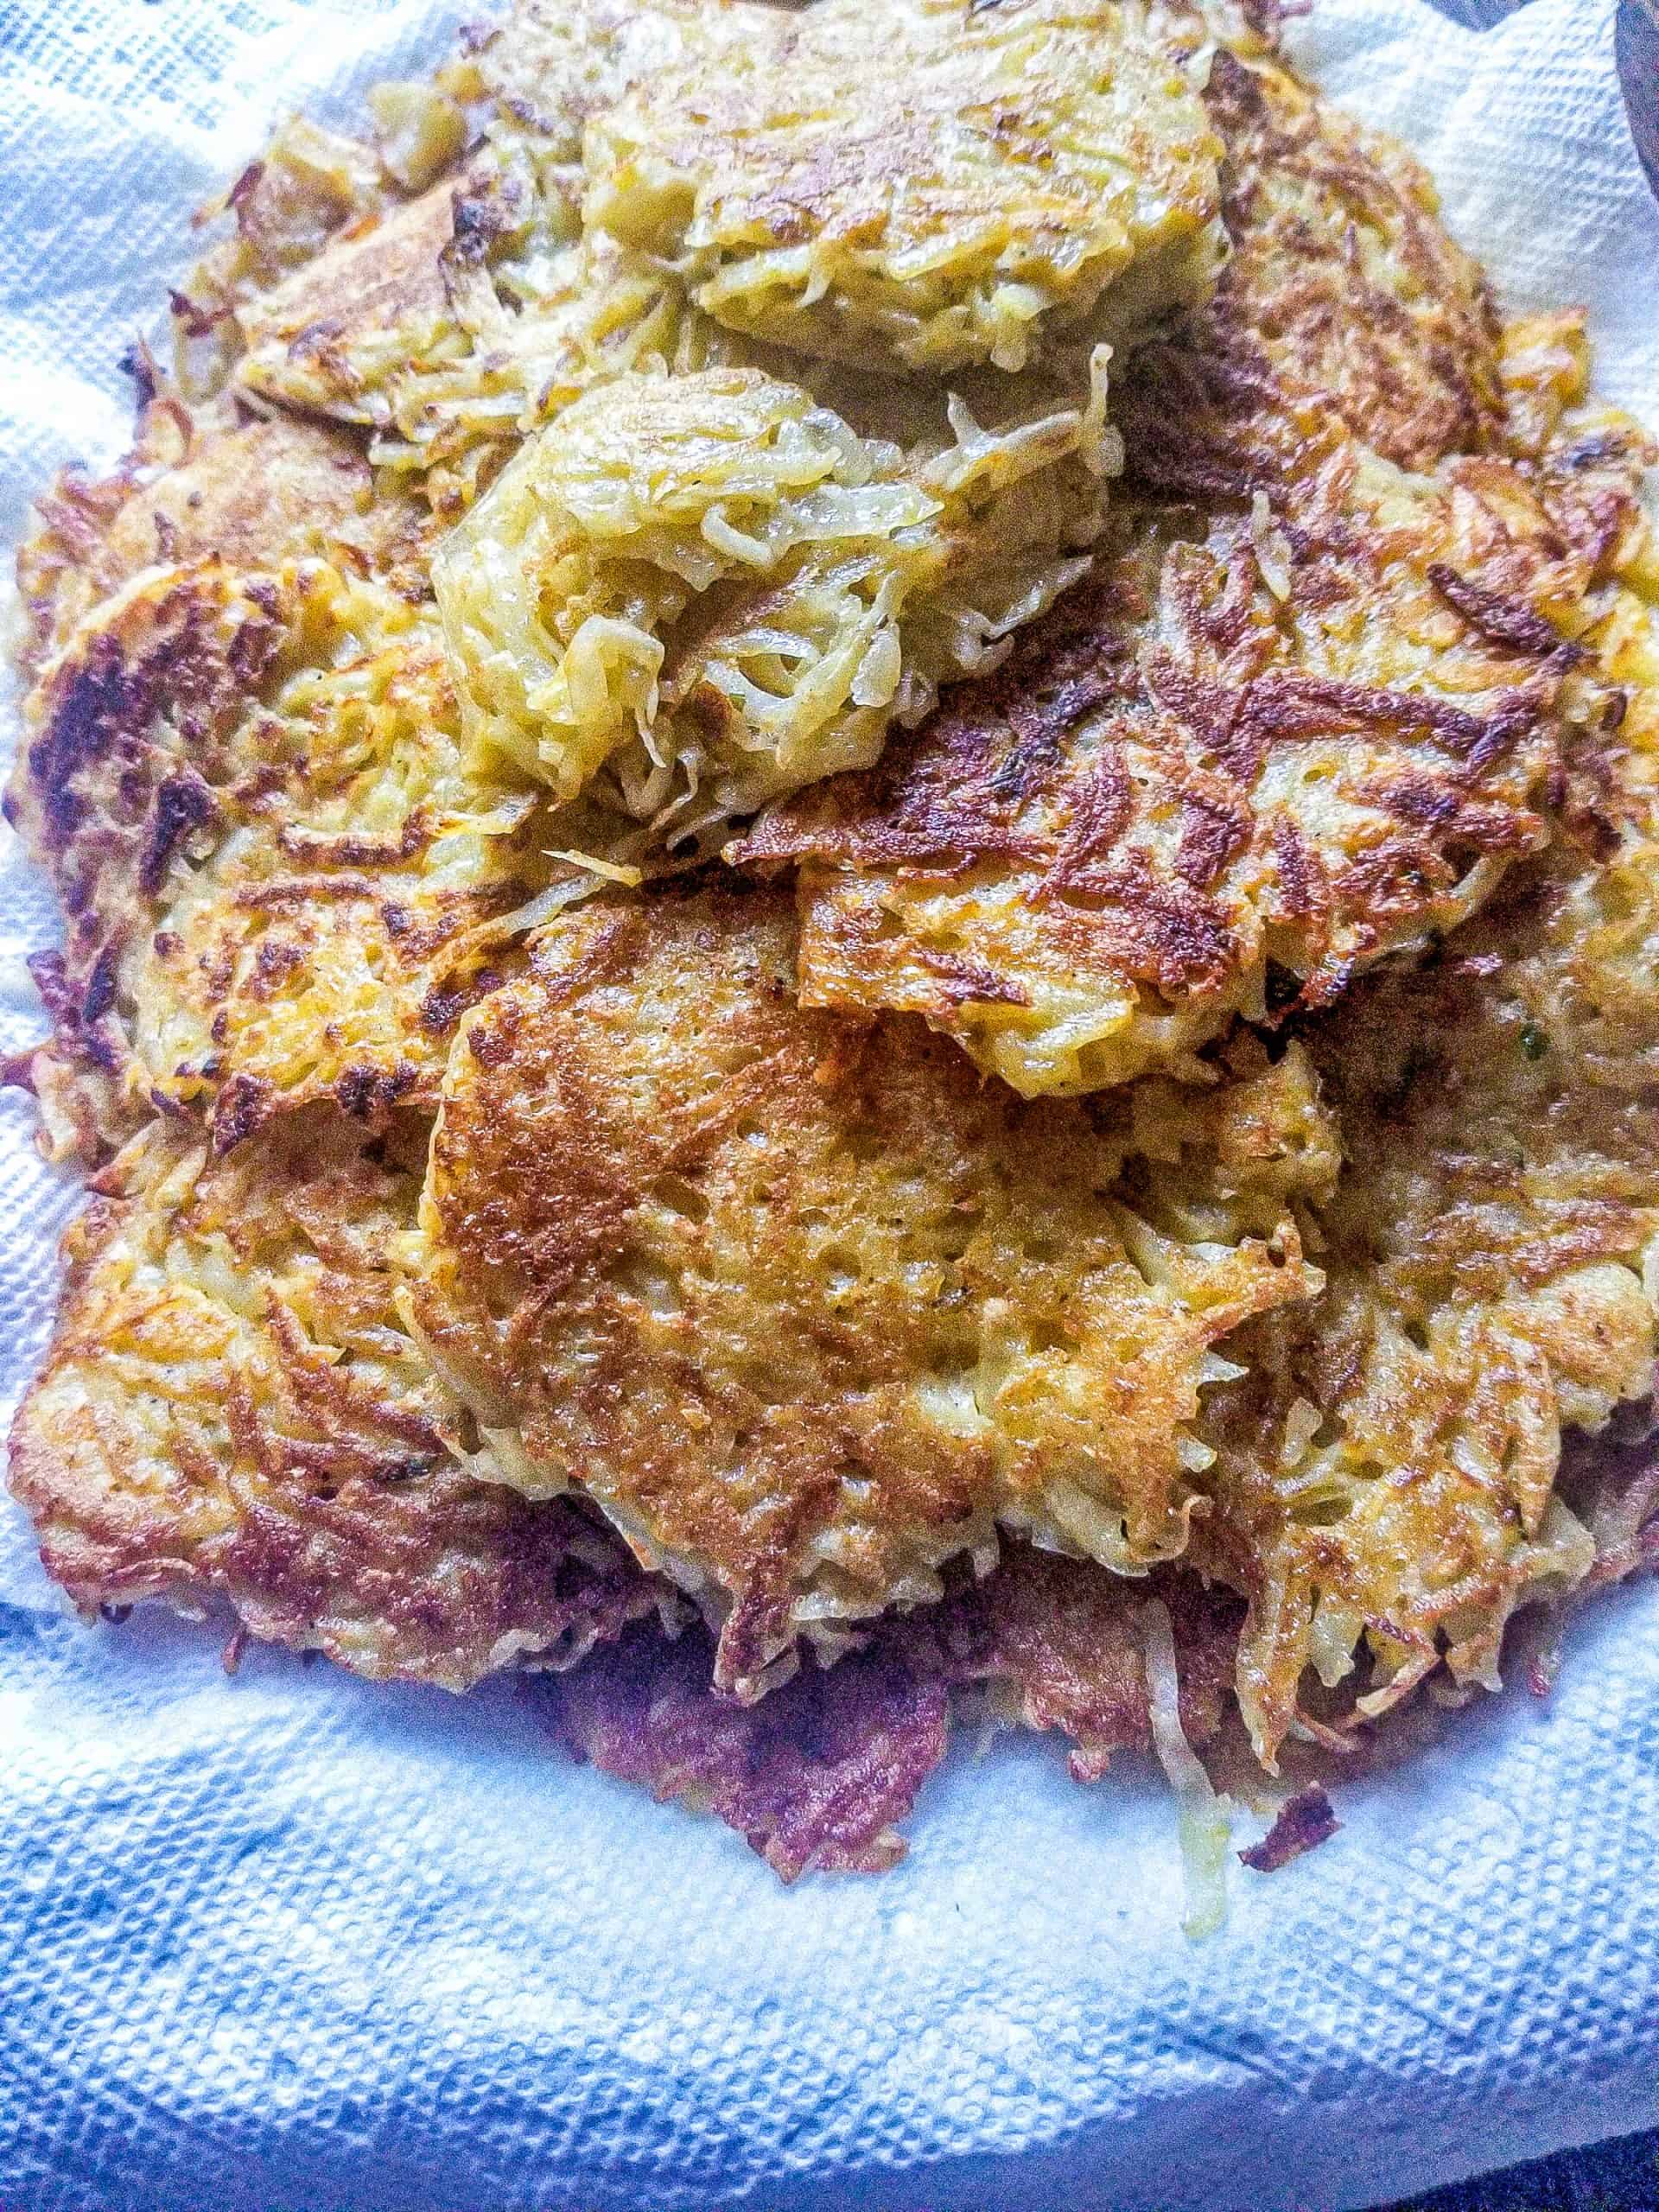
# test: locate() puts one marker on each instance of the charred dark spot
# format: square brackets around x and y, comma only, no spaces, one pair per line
[1595,451]
[479,226]
[251,648]
[368,1094]
[95,705]
[357,1091]
[1211,834]
[182,803]
[1501,621]
[1283,988]
[1302,1822]
[243,1105]
[195,319]
[490,1042]
[443,1007]
[97,995]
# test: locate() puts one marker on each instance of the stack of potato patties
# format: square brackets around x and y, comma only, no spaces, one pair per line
[856,817]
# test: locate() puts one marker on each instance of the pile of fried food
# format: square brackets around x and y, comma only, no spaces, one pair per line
[858,814]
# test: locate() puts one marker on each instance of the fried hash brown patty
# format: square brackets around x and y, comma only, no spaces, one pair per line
[1385,1466]
[1040,164]
[247,496]
[455,321]
[1299,738]
[349,284]
[691,592]
[231,1408]
[282,884]
[809,1309]
[233,1411]
[1344,307]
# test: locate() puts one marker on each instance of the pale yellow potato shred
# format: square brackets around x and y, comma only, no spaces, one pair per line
[707,590]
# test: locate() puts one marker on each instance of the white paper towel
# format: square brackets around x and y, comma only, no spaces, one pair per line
[289,1941]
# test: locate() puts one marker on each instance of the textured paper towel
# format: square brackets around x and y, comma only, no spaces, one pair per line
[290,1942]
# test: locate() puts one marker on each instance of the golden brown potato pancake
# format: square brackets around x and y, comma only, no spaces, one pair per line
[233,1413]
[282,882]
[503,118]
[455,323]
[232,1409]
[1384,1473]
[1037,168]
[1343,308]
[1385,1468]
[691,593]
[246,496]
[1293,740]
[808,1309]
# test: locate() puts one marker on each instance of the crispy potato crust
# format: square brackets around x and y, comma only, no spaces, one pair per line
[1343,308]
[1041,165]
[815,1774]
[808,1309]
[1386,1468]
[1295,739]
[247,496]
[282,884]
[232,1410]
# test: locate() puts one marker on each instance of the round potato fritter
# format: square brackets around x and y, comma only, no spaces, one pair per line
[283,885]
[1345,309]
[1386,1469]
[1042,165]
[808,1307]
[1277,744]
[248,497]
[232,1409]
[691,592]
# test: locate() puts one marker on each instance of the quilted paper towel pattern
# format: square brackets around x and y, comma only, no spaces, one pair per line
[287,1942]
